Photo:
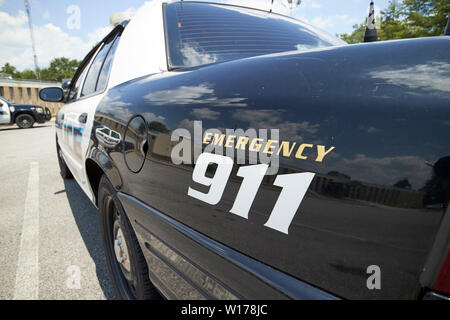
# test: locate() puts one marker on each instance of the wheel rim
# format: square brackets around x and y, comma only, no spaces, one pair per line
[24,122]
[119,247]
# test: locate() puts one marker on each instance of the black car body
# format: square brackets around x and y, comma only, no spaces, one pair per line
[370,122]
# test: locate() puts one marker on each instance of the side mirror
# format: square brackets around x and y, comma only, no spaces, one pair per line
[52,94]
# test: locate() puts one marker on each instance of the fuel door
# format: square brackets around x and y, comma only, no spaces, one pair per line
[135,144]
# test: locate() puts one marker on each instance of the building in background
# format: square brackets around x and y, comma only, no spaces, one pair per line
[27,92]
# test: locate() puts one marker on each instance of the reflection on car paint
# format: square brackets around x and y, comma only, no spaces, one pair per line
[374,200]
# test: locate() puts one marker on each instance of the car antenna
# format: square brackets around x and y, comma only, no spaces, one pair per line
[371,34]
[271,7]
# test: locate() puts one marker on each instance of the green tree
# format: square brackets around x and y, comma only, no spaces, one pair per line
[9,69]
[408,19]
[392,24]
[59,69]
[356,36]
[26,75]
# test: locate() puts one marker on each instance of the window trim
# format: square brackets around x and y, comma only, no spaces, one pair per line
[84,64]
[116,38]
[117,31]
[95,92]
[166,43]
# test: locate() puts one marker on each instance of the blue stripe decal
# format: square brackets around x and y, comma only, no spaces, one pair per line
[68,126]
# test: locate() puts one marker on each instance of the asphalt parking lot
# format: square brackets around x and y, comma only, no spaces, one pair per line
[49,231]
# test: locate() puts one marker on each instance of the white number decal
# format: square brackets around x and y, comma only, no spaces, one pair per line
[253,176]
[217,183]
[294,186]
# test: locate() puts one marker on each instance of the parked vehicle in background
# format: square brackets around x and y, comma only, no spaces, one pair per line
[24,115]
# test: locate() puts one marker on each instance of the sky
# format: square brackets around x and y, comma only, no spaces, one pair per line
[70,28]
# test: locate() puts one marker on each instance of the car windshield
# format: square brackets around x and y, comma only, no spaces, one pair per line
[204,33]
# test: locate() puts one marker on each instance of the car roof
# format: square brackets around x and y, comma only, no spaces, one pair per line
[141,50]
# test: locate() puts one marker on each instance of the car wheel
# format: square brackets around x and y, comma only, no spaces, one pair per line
[63,169]
[126,263]
[24,121]
[48,114]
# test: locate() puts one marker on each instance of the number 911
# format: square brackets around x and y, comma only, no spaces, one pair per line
[294,187]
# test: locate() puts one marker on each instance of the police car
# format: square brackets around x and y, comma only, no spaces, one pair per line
[24,115]
[235,153]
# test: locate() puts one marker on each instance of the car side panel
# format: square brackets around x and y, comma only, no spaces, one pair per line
[74,122]
[374,200]
[74,137]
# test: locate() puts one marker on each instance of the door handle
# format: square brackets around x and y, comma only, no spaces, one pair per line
[83,118]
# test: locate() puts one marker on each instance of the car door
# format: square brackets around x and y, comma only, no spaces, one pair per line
[76,117]
[5,114]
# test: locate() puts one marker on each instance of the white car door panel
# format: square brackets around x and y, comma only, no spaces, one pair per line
[5,114]
[77,116]
[75,135]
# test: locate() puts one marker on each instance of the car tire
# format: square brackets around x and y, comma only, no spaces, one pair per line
[25,121]
[63,169]
[48,114]
[125,261]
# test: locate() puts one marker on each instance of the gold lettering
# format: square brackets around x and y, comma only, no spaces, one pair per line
[300,150]
[285,147]
[207,138]
[268,148]
[255,146]
[229,139]
[218,139]
[321,153]
[242,141]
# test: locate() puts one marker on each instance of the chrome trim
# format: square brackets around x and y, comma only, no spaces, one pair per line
[435,295]
[198,278]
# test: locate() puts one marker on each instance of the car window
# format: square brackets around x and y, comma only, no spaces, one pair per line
[202,33]
[91,79]
[104,74]
[77,81]
[77,86]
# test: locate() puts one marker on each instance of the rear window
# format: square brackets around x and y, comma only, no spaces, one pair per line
[201,33]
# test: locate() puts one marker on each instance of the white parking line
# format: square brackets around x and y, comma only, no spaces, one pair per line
[27,274]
